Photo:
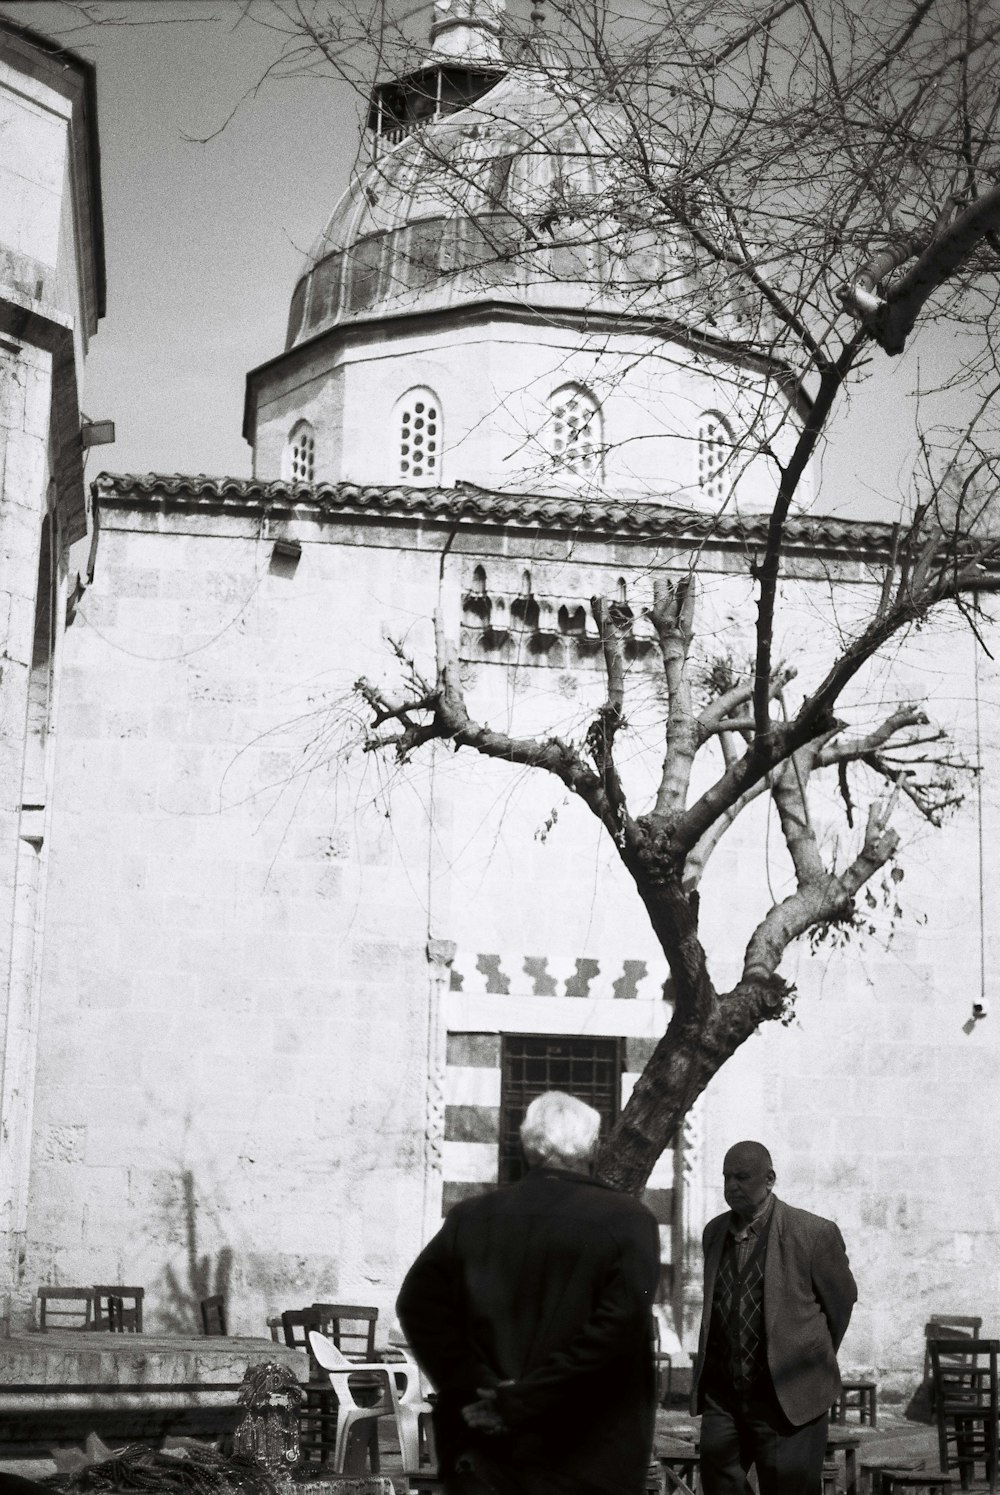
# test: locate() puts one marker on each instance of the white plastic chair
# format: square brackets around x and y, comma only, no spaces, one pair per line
[349,1413]
[413,1405]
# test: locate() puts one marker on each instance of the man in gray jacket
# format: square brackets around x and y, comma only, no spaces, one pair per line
[778,1299]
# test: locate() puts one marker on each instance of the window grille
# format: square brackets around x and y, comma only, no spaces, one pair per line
[715,454]
[589,1068]
[302,455]
[575,436]
[419,427]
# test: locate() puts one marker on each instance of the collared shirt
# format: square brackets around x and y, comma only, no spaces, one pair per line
[745,1236]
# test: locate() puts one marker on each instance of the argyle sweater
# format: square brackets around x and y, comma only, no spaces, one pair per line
[737,1352]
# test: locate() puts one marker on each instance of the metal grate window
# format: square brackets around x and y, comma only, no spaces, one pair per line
[302,455]
[589,1068]
[715,456]
[575,437]
[419,429]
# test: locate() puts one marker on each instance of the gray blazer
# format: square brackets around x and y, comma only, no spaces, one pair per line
[809,1293]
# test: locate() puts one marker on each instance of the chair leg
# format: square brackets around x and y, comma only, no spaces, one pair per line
[352,1450]
[408,1432]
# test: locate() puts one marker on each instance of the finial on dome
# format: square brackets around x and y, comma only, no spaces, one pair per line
[537,15]
[467,30]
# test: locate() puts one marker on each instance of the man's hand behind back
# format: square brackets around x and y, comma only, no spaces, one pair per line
[483,1415]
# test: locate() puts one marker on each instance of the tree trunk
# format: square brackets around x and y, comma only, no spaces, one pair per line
[690,1052]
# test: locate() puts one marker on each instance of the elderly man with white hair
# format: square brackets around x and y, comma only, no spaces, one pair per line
[530,1313]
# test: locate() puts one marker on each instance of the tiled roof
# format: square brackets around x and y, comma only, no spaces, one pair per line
[467,504]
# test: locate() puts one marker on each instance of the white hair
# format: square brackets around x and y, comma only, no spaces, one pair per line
[560,1130]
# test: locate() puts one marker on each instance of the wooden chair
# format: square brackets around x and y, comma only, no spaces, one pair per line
[65,1308]
[946,1326]
[966,1399]
[318,1412]
[129,1318]
[664,1367]
[213,1315]
[352,1329]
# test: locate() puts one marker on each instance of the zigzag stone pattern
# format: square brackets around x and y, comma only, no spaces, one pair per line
[491,973]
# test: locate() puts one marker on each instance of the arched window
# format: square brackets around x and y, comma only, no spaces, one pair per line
[419,431]
[574,431]
[300,459]
[715,456]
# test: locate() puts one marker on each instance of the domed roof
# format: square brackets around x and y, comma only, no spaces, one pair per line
[517,197]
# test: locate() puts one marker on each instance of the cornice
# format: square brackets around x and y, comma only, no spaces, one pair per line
[480,311]
[468,507]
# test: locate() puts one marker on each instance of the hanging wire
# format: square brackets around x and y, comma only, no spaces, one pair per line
[979,831]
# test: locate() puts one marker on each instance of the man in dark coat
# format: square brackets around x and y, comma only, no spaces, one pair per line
[530,1313]
[778,1299]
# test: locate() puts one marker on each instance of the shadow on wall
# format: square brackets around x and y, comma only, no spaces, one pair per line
[181,1310]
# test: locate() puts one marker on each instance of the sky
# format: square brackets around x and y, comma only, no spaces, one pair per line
[204,241]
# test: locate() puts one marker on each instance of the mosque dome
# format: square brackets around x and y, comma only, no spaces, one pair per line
[515,198]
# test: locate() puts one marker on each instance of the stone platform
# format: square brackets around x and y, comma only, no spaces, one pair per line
[57,1387]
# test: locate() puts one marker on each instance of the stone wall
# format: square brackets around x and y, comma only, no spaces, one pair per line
[270,956]
[51,294]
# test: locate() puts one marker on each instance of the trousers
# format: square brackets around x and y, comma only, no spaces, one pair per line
[738,1433]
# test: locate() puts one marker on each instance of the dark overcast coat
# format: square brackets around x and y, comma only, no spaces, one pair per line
[809,1293]
[547,1283]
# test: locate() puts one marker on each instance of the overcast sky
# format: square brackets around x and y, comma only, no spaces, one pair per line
[204,241]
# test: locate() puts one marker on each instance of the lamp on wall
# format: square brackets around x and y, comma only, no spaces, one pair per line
[285,556]
[287,550]
[96,432]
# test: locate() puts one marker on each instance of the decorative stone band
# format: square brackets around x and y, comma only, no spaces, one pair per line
[492,973]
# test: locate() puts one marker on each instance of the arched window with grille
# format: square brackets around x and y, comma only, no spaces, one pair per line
[300,455]
[575,432]
[716,454]
[419,431]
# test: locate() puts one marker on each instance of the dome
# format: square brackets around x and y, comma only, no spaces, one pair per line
[516,198]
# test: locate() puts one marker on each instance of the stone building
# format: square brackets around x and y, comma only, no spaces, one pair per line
[295,999]
[51,296]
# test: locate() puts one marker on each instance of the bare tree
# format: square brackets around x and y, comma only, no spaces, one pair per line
[827,180]
[790,190]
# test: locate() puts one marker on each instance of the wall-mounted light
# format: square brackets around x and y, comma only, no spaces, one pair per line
[285,557]
[287,550]
[96,432]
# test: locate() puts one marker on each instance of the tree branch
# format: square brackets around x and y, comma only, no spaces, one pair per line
[889,318]
[825,898]
[672,616]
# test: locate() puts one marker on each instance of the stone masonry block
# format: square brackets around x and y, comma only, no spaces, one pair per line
[61,1144]
[24,471]
[13,378]
[37,401]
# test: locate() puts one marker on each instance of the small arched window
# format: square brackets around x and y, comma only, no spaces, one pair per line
[301,454]
[716,450]
[575,432]
[419,430]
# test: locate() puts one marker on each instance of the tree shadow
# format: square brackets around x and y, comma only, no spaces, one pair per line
[181,1311]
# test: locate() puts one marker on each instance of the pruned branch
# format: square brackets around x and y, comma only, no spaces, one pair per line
[672,615]
[890,315]
[822,899]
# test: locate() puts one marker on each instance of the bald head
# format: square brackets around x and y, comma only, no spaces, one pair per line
[747,1177]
